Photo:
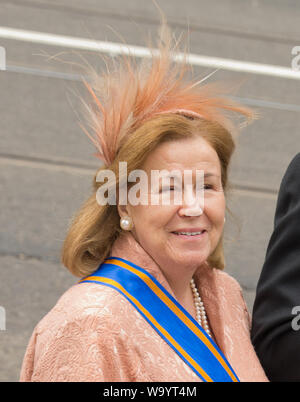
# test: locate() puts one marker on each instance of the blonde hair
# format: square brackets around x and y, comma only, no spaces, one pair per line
[133,109]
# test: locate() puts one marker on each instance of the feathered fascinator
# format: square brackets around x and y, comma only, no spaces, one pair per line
[124,97]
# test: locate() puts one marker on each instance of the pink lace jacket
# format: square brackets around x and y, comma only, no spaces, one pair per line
[94,334]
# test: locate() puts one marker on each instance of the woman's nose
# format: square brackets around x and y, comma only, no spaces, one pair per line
[193,202]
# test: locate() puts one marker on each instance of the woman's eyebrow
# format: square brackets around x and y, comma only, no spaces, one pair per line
[171,175]
[211,175]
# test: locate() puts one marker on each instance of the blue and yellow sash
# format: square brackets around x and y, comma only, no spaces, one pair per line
[172,322]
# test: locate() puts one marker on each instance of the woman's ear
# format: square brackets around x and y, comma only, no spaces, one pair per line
[123,210]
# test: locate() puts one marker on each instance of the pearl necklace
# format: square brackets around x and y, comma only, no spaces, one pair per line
[200,310]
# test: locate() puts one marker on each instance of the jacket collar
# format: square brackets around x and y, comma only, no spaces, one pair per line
[206,279]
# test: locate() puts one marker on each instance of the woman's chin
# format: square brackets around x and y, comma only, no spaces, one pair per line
[190,252]
[189,258]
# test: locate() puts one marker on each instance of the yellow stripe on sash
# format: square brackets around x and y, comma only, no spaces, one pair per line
[152,319]
[173,308]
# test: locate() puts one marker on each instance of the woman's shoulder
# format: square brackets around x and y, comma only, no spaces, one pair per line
[228,285]
[82,302]
[227,279]
[82,327]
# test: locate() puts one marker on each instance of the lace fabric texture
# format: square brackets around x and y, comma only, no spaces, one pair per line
[94,334]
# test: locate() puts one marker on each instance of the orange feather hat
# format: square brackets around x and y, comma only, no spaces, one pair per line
[123,99]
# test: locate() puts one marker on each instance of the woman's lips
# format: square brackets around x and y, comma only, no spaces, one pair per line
[186,236]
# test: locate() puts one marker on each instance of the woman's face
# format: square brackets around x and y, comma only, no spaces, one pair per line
[158,228]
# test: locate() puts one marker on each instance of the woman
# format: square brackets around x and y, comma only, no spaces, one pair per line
[153,303]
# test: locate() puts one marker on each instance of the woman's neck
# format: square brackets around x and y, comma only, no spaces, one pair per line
[181,288]
[175,279]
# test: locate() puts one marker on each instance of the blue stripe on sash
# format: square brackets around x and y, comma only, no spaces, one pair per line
[164,316]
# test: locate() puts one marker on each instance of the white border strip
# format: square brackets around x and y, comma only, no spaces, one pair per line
[2,58]
[139,51]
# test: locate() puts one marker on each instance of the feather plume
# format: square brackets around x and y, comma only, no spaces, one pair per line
[123,99]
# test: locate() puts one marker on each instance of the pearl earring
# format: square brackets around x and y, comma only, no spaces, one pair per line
[126,223]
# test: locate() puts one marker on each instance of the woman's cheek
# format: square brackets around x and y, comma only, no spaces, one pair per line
[214,209]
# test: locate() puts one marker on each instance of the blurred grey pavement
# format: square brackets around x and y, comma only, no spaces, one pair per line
[47,163]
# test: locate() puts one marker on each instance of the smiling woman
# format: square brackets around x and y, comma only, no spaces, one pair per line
[152,303]
[180,254]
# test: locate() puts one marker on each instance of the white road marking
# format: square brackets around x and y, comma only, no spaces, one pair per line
[139,51]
